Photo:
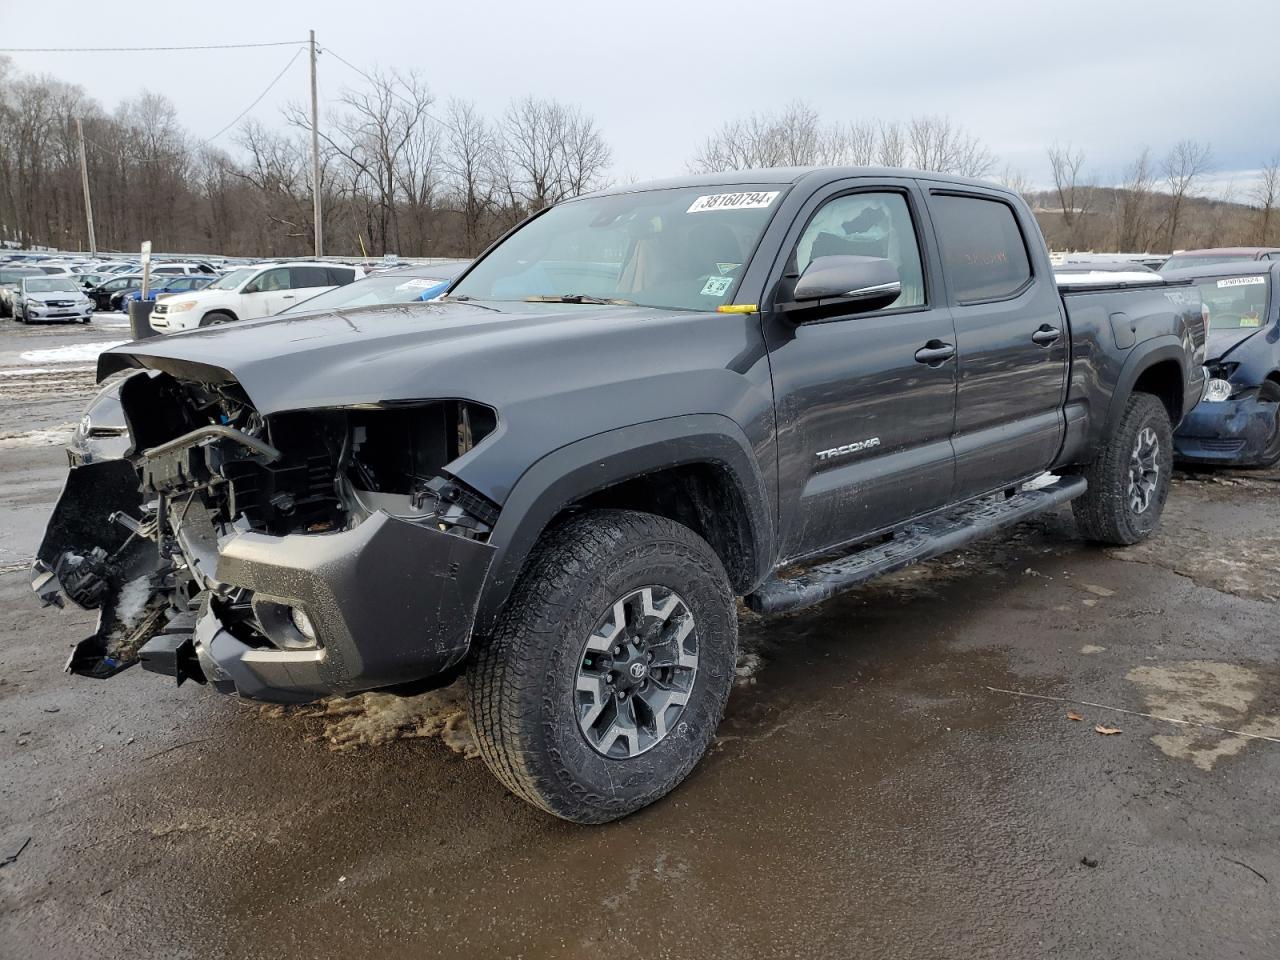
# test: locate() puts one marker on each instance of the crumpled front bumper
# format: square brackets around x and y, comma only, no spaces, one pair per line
[1228,432]
[391,601]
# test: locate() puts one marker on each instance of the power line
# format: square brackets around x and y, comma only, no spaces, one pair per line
[297,53]
[207,46]
[409,103]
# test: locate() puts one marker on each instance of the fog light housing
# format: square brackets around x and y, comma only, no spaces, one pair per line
[1217,390]
[302,623]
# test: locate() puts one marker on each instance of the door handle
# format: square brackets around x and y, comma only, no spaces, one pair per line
[1046,335]
[288,296]
[934,352]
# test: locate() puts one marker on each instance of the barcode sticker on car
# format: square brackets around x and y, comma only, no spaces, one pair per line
[733,201]
[1241,281]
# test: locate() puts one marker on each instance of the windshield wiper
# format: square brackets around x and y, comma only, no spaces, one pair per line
[578,298]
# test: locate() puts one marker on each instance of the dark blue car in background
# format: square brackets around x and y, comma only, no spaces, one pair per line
[164,285]
[1238,421]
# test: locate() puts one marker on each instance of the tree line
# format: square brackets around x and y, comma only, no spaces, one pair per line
[404,172]
[400,172]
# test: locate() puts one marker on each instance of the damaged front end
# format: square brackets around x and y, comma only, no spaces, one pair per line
[283,557]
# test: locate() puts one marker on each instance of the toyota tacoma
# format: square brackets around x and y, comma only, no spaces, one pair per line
[636,406]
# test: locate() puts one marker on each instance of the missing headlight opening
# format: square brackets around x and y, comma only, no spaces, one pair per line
[205,467]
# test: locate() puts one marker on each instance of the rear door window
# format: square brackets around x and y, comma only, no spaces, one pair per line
[983,250]
[303,277]
[340,276]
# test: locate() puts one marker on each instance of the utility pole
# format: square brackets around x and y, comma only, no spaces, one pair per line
[315,154]
[84,181]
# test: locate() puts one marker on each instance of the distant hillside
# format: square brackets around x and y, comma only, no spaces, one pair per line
[1108,219]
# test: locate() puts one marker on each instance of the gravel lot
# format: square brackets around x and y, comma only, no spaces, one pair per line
[900,773]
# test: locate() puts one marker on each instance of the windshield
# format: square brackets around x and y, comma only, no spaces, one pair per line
[231,280]
[13,276]
[1235,303]
[50,285]
[1177,263]
[372,291]
[683,249]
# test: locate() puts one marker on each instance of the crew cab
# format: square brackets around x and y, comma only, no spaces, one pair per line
[249,293]
[637,405]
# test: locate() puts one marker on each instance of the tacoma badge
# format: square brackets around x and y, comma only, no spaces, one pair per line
[849,448]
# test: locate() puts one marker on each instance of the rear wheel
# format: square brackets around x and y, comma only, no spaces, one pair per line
[609,668]
[1129,479]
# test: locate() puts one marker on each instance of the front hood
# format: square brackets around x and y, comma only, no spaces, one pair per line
[1221,342]
[395,352]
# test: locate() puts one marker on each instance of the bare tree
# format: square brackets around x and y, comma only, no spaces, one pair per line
[1185,163]
[1265,195]
[936,143]
[1133,209]
[1073,194]
[1015,180]
[469,156]
[549,151]
[797,137]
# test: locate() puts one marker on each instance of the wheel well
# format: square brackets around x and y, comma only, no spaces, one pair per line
[703,497]
[1163,380]
[1274,376]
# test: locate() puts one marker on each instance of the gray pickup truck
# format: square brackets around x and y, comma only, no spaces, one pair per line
[634,407]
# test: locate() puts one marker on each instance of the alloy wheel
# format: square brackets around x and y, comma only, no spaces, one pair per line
[1144,470]
[636,673]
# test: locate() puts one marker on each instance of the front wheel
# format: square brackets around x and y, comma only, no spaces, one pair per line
[1129,479]
[609,668]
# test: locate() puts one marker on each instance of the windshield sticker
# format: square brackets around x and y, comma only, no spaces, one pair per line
[717,286]
[1250,321]
[733,201]
[417,284]
[1241,282]
[727,267]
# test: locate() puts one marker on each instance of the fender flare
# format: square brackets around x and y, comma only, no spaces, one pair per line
[1145,355]
[589,465]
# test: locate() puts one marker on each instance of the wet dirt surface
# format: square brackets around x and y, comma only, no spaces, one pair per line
[883,785]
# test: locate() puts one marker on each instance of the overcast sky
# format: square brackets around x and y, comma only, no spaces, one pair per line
[658,75]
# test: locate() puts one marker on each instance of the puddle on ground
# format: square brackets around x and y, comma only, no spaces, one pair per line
[1205,691]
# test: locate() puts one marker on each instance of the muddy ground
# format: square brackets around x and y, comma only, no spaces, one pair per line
[899,775]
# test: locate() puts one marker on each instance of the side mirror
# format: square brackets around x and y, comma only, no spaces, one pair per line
[831,286]
[252,288]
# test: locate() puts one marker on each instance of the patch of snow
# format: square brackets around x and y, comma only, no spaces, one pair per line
[375,719]
[131,602]
[48,436]
[36,371]
[72,353]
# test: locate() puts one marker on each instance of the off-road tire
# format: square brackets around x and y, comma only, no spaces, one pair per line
[1104,514]
[215,317]
[522,677]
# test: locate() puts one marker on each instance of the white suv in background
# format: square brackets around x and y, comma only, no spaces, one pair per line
[249,293]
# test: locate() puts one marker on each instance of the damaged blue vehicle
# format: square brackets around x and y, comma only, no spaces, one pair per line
[1237,423]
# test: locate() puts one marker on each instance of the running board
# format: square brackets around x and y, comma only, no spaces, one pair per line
[917,542]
